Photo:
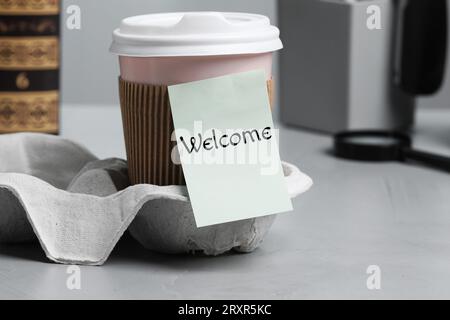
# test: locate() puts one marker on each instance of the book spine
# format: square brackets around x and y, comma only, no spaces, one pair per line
[29,66]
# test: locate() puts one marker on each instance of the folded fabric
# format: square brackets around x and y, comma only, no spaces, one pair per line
[79,215]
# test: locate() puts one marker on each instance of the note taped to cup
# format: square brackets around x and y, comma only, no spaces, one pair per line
[228,148]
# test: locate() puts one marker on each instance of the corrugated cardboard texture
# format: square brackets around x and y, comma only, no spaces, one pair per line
[148,127]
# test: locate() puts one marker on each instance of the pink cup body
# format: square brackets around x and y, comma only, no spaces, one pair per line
[176,70]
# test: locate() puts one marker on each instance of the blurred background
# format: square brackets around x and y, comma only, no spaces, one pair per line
[89,72]
[335,73]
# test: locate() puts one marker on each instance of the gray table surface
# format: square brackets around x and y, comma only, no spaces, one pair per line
[392,215]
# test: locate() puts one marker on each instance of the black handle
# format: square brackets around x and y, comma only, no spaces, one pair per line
[432,160]
[423,46]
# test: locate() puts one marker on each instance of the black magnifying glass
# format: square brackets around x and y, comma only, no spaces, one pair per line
[379,146]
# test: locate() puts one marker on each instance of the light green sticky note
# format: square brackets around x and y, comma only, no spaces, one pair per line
[229,149]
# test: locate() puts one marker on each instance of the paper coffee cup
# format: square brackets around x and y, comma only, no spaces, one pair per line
[159,50]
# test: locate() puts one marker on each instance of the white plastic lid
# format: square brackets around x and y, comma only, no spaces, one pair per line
[195,34]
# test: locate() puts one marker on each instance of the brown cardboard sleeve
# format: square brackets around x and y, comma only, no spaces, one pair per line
[148,128]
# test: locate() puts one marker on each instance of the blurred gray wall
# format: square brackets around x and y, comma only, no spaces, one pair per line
[90,72]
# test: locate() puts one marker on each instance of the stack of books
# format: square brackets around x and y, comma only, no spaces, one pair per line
[29,66]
